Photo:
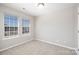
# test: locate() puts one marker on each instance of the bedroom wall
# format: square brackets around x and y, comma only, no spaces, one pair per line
[20,38]
[59,27]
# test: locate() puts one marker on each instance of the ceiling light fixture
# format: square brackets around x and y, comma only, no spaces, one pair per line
[40,5]
[23,8]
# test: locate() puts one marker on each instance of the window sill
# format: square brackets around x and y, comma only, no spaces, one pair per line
[10,37]
[15,36]
[25,34]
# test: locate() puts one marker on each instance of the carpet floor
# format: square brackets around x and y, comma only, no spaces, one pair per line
[36,47]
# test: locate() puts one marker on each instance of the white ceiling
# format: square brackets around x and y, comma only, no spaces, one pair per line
[32,9]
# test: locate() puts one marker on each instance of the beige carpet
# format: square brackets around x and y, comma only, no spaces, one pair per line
[38,48]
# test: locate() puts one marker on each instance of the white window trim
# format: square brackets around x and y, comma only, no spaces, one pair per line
[17,35]
[29,27]
[10,37]
[13,36]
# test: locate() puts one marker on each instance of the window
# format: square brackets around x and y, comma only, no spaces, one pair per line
[10,25]
[25,26]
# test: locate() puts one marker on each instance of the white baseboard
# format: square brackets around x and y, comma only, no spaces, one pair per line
[57,44]
[15,45]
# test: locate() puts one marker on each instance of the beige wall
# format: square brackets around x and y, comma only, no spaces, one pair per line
[58,27]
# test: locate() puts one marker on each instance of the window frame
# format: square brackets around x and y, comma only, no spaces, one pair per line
[14,35]
[27,19]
